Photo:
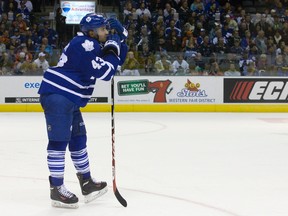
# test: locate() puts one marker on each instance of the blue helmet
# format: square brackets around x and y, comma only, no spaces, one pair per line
[92,21]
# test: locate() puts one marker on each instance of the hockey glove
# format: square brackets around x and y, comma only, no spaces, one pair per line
[112,45]
[115,24]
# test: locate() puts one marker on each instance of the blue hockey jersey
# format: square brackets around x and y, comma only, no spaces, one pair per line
[80,65]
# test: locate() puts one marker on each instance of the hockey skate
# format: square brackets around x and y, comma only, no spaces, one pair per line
[91,189]
[62,198]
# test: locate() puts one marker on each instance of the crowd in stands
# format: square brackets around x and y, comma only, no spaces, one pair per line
[26,45]
[206,37]
[166,37]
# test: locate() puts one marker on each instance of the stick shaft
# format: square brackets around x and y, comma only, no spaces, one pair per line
[115,190]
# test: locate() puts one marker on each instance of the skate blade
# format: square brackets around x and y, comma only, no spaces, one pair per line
[58,204]
[94,195]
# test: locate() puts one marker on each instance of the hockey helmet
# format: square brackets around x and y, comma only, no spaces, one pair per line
[92,21]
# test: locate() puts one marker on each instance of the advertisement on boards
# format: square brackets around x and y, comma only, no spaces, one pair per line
[23,89]
[255,90]
[170,90]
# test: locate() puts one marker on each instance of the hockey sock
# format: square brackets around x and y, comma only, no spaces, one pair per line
[79,155]
[56,161]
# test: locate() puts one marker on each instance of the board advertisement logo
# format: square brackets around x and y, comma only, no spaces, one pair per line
[255,90]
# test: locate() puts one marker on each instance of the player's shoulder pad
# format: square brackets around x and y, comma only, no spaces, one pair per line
[84,43]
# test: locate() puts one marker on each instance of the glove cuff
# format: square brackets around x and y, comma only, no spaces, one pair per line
[113,46]
[125,33]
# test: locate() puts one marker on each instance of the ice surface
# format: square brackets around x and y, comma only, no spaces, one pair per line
[167,164]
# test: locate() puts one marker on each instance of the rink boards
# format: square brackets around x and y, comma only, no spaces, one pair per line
[161,94]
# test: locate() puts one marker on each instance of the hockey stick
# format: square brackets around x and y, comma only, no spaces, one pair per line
[115,190]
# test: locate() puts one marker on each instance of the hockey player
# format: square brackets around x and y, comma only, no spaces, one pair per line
[92,54]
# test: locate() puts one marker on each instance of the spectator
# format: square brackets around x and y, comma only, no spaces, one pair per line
[2,48]
[217,36]
[23,10]
[49,33]
[163,66]
[232,71]
[172,28]
[199,64]
[260,42]
[205,48]
[6,64]
[236,48]
[144,22]
[277,38]
[246,64]
[285,55]
[130,40]
[262,24]
[130,66]
[214,68]
[200,38]
[32,33]
[10,6]
[130,22]
[61,28]
[230,58]
[180,65]
[246,41]
[46,48]
[190,49]
[211,3]
[30,46]
[278,25]
[184,11]
[232,24]
[20,24]
[128,9]
[4,21]
[27,3]
[250,25]
[262,65]
[28,55]
[14,43]
[41,63]
[21,66]
[157,5]
[239,13]
[5,38]
[173,43]
[169,12]
[147,59]
[145,37]
[143,10]
[279,66]
[18,36]
[211,14]
[197,5]
[160,43]
[186,38]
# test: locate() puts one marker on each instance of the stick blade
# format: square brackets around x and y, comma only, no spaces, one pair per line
[120,198]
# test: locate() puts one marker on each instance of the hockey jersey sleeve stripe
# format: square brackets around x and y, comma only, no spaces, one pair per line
[66,89]
[108,71]
[69,80]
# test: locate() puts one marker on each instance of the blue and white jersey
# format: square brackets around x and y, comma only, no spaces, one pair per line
[81,63]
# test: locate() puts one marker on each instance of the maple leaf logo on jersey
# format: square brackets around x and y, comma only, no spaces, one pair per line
[88,45]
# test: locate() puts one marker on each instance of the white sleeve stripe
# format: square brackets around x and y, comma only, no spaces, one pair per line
[125,33]
[110,66]
[66,89]
[69,80]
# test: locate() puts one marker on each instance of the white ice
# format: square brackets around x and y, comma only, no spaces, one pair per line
[167,164]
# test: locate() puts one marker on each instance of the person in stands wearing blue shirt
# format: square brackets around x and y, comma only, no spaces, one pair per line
[92,55]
